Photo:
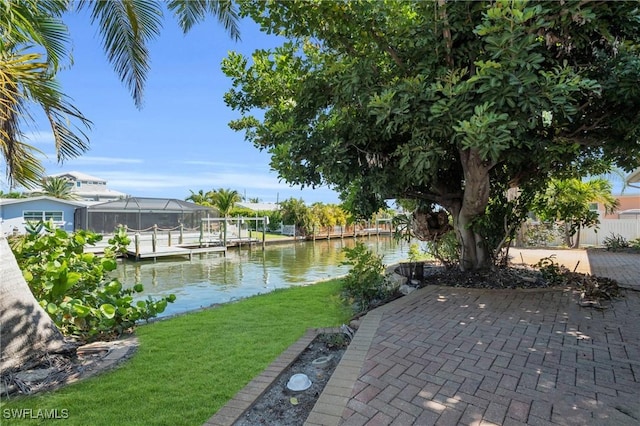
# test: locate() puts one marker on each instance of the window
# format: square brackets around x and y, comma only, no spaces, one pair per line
[593,207]
[78,184]
[36,216]
[55,216]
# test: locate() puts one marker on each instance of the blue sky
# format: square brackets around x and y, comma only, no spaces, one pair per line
[180,140]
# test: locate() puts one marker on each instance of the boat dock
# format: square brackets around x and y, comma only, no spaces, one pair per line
[174,251]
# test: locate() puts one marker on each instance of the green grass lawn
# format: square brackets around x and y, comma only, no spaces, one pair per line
[269,236]
[189,366]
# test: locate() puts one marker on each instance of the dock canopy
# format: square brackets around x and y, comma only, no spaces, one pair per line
[140,214]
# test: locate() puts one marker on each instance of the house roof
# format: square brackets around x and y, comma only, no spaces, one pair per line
[104,192]
[149,205]
[630,211]
[259,207]
[79,176]
[7,201]
[634,177]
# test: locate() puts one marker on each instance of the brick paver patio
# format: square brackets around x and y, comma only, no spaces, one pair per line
[456,356]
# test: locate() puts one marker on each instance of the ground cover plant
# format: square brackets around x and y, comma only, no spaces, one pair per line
[189,366]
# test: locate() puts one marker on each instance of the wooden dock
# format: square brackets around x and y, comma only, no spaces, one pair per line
[174,251]
[370,232]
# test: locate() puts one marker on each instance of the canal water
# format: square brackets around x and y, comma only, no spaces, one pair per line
[212,278]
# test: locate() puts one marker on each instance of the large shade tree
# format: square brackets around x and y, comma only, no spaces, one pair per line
[446,103]
[33,47]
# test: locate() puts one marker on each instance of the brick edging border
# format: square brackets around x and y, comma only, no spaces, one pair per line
[242,401]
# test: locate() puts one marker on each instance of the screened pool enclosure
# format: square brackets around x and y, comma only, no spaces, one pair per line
[139,213]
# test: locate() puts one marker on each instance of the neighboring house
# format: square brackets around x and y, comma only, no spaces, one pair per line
[628,207]
[90,188]
[16,212]
[634,178]
[259,207]
[623,222]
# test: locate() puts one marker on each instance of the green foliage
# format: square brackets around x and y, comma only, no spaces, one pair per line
[58,187]
[567,200]
[365,283]
[202,198]
[118,243]
[506,210]
[275,220]
[326,216]
[437,102]
[220,350]
[539,234]
[74,287]
[635,244]
[11,194]
[616,242]
[224,200]
[295,212]
[446,249]
[551,271]
[414,252]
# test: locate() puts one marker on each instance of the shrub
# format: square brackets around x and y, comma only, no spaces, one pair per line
[635,244]
[551,271]
[365,282]
[540,234]
[615,242]
[74,287]
[446,249]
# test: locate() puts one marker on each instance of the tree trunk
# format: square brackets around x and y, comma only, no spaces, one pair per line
[26,331]
[571,241]
[576,241]
[474,253]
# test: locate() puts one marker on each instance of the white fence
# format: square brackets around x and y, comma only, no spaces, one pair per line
[289,230]
[628,228]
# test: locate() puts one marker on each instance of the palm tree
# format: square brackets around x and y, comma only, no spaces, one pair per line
[57,187]
[34,42]
[11,194]
[200,197]
[224,200]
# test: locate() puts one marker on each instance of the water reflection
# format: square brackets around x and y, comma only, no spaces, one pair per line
[212,278]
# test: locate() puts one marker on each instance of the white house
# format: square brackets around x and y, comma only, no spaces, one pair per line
[259,207]
[90,188]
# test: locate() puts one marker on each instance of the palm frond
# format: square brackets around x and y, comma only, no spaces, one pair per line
[190,12]
[35,22]
[24,79]
[126,27]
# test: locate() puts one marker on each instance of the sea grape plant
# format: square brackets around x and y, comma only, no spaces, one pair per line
[74,287]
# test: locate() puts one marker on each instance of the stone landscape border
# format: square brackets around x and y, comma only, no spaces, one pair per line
[244,399]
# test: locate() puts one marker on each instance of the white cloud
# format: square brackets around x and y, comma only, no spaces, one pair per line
[88,160]
[172,185]
[225,165]
[139,180]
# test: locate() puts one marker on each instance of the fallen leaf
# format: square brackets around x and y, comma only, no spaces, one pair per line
[293,400]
